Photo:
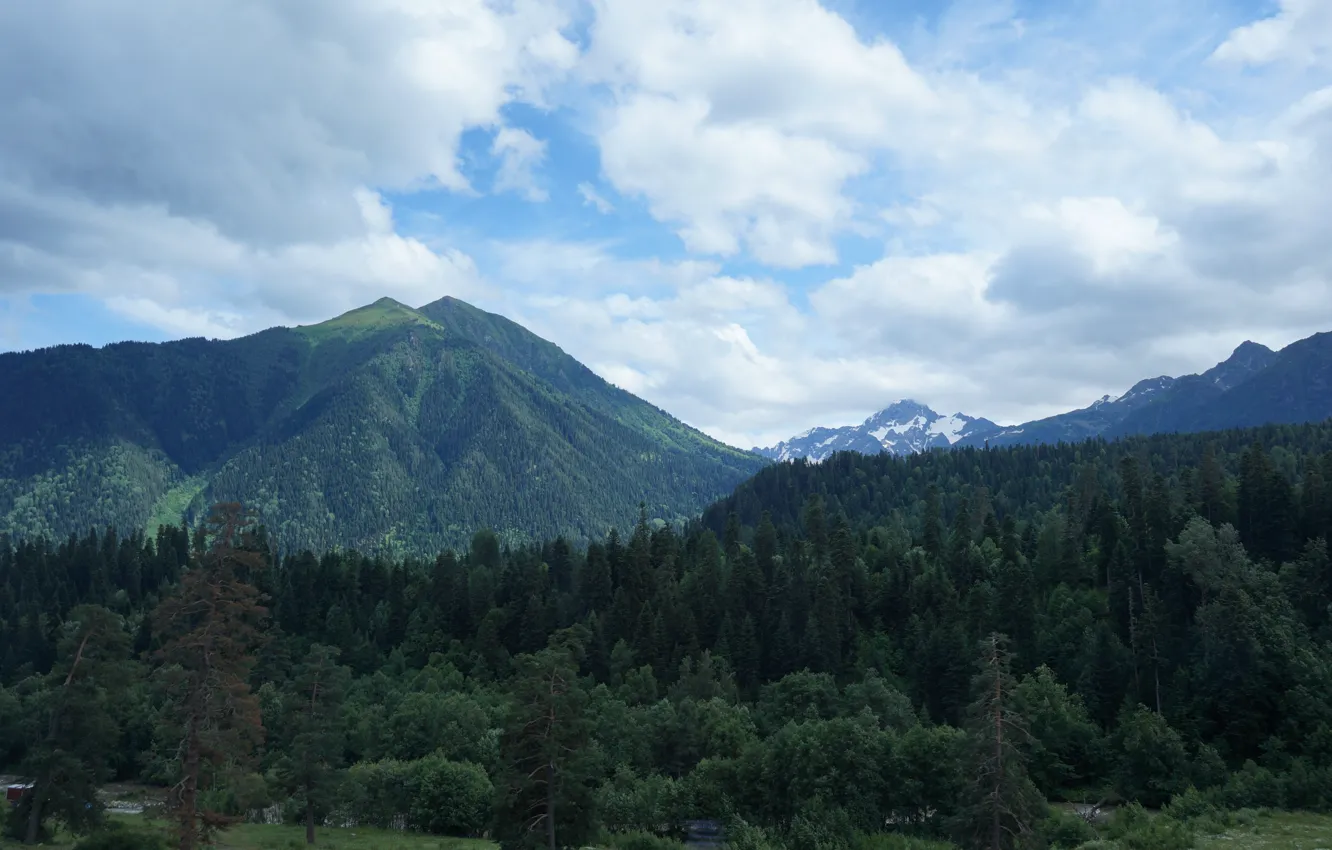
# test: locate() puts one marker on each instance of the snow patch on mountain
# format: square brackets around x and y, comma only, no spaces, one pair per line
[902,428]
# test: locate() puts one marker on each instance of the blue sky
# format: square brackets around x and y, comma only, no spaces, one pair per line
[760,216]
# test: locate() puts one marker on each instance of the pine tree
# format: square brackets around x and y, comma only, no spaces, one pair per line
[211,628]
[1002,804]
[316,738]
[71,755]
[546,796]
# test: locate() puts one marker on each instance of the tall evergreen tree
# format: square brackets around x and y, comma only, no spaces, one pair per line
[312,753]
[211,628]
[70,718]
[1001,806]
[546,795]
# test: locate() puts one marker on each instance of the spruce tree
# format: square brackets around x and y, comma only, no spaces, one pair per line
[1001,805]
[546,790]
[316,737]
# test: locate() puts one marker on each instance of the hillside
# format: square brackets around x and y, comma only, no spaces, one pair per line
[1254,386]
[387,429]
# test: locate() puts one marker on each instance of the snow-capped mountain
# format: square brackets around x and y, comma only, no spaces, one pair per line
[904,427]
[1255,385]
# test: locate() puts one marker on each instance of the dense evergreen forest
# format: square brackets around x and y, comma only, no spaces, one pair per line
[390,430]
[937,646]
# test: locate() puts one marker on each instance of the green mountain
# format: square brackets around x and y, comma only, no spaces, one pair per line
[386,429]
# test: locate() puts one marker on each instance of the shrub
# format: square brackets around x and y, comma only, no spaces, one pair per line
[434,794]
[1134,829]
[1064,829]
[896,841]
[1253,787]
[742,835]
[448,797]
[643,841]
[628,803]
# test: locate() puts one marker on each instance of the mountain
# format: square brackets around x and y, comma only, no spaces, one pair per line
[1207,401]
[388,429]
[1254,386]
[904,427]
[1078,425]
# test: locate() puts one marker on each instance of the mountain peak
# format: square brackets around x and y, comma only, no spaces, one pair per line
[1249,347]
[383,313]
[1247,359]
[904,427]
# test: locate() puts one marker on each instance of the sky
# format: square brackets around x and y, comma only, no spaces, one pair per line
[760,215]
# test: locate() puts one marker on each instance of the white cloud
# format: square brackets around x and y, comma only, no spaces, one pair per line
[593,198]
[1058,216]
[1299,33]
[221,156]
[519,153]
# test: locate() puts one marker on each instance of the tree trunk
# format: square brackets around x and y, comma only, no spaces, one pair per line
[309,814]
[996,825]
[189,791]
[39,784]
[37,794]
[1156,671]
[550,807]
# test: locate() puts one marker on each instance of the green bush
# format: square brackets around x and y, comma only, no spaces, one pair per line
[643,841]
[827,830]
[1063,829]
[1191,805]
[1253,787]
[1133,828]
[629,803]
[896,841]
[434,794]
[742,835]
[449,797]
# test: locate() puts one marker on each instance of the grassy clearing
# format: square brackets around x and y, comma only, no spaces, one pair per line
[1280,831]
[261,837]
[265,837]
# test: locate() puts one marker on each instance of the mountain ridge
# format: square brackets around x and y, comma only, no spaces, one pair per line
[1253,386]
[387,428]
[903,427]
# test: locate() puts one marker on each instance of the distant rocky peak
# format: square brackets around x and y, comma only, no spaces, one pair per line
[1247,359]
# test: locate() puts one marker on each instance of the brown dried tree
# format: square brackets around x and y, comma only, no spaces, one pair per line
[211,628]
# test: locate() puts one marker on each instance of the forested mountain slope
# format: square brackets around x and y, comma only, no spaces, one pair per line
[815,658]
[387,429]
[1254,386]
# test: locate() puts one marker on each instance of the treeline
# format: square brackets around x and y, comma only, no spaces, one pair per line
[937,645]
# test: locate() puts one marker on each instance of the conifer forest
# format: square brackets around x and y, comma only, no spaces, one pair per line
[945,649]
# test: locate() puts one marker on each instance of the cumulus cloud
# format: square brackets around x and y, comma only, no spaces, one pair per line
[1300,33]
[1038,222]
[519,153]
[1045,244]
[191,157]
